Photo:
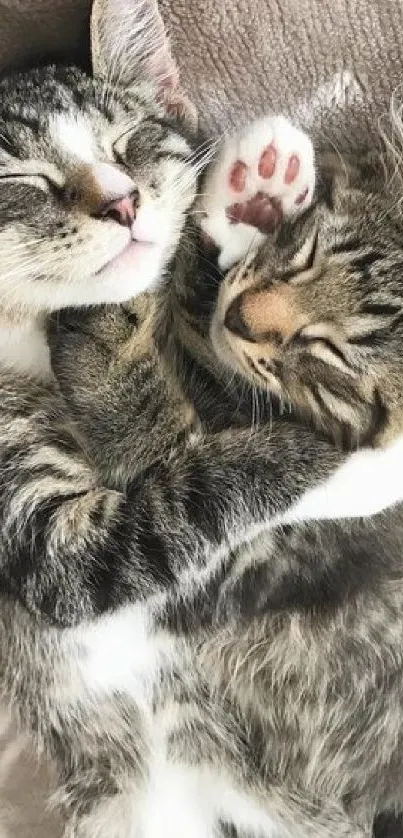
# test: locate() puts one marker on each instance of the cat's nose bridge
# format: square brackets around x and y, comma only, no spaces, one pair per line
[102,190]
[113,183]
[273,310]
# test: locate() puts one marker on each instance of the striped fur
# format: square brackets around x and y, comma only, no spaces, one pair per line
[277,707]
[89,562]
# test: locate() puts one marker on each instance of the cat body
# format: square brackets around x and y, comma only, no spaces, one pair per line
[136,634]
[279,689]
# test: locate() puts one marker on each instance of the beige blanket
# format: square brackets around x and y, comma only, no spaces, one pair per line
[238,58]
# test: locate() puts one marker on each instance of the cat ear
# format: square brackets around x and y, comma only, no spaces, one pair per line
[129,44]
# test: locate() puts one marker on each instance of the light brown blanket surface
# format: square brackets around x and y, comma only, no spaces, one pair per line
[242,57]
[238,58]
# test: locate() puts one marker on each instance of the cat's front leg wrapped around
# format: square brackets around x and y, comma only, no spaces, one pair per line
[128,407]
[210,491]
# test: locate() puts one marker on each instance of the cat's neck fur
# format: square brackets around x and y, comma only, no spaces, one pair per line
[23,345]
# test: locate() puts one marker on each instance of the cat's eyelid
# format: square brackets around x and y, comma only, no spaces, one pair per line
[34,169]
[304,259]
[323,341]
[46,170]
[119,137]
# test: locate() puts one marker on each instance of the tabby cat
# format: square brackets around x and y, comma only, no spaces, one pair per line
[276,683]
[272,681]
[116,545]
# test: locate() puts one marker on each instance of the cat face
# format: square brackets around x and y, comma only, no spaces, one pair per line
[95,180]
[315,317]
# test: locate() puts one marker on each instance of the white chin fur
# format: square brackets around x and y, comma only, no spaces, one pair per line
[137,269]
[23,346]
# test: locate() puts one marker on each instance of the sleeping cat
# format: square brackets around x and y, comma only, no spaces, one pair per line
[108,538]
[264,690]
[276,680]
[277,693]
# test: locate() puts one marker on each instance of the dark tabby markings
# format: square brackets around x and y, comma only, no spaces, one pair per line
[371,338]
[228,830]
[375,410]
[335,350]
[363,262]
[307,265]
[197,499]
[346,246]
[382,309]
[14,175]
[181,156]
[380,418]
[163,121]
[320,402]
[31,122]
[8,145]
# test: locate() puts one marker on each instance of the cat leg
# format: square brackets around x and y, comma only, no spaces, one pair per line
[261,175]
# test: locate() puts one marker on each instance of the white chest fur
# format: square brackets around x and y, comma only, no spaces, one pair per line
[122,652]
[23,348]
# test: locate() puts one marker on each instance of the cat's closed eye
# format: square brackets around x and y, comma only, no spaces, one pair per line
[305,258]
[37,179]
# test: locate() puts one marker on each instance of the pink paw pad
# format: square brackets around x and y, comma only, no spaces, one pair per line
[267,188]
[267,162]
[261,212]
[237,177]
[301,197]
[292,169]
[262,176]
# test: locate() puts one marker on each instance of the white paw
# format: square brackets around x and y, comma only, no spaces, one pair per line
[260,176]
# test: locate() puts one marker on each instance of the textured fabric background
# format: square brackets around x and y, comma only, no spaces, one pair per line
[238,58]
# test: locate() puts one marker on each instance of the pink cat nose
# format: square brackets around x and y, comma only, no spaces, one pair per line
[123,210]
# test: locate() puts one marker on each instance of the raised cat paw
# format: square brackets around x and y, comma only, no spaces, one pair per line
[260,176]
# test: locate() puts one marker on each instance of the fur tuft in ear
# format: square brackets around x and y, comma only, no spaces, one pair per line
[179,107]
[129,45]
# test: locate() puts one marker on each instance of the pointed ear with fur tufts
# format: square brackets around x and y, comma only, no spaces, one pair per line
[129,45]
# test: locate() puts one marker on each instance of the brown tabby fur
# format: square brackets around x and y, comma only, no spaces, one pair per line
[305,657]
